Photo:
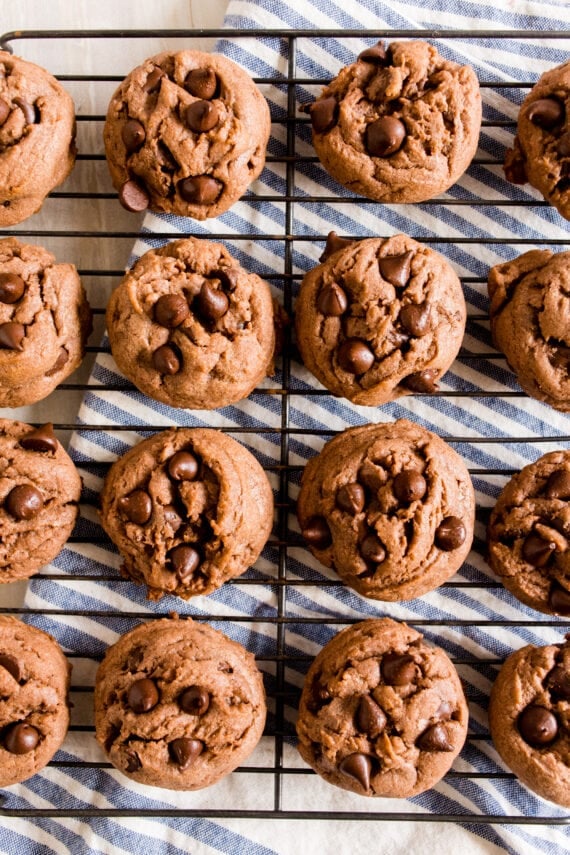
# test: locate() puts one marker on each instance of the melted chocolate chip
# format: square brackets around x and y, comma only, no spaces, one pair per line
[558,485]
[395,269]
[333,244]
[537,725]
[185,751]
[415,319]
[537,551]
[27,109]
[332,300]
[133,761]
[212,303]
[421,381]
[133,135]
[450,534]
[355,356]
[200,189]
[133,197]
[323,114]
[357,766]
[351,498]
[228,277]
[375,55]
[557,682]
[202,83]
[183,466]
[201,116]
[154,80]
[41,439]
[559,600]
[62,358]
[137,506]
[194,700]
[12,336]
[372,549]
[546,113]
[12,287]
[370,717]
[514,167]
[12,666]
[409,486]
[172,518]
[385,136]
[21,738]
[185,561]
[171,310]
[4,111]
[398,669]
[434,738]
[24,502]
[166,360]
[320,695]
[143,695]
[317,533]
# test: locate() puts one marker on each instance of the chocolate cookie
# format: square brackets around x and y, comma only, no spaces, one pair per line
[34,713]
[37,137]
[190,327]
[400,124]
[382,713]
[188,509]
[390,507]
[186,133]
[39,495]
[528,535]
[45,321]
[530,322]
[178,704]
[541,150]
[378,319]
[529,715]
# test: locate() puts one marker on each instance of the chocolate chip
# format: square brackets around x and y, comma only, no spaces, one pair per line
[375,55]
[4,111]
[201,116]
[62,358]
[212,303]
[133,761]
[172,518]
[546,113]
[24,502]
[183,466]
[166,360]
[194,700]
[434,738]
[537,725]
[12,287]
[563,145]
[12,335]
[359,767]
[185,561]
[398,669]
[558,682]
[421,381]
[514,167]
[11,665]
[133,197]
[450,534]
[228,277]
[332,300]
[537,551]
[409,486]
[320,695]
[133,135]
[415,319]
[355,356]
[40,439]
[137,506]
[558,485]
[27,109]
[370,718]
[154,80]
[559,600]
[21,738]
[184,751]
[372,549]
[351,498]
[317,533]
[143,695]
[201,82]
[323,114]
[385,136]
[171,310]
[333,244]
[395,269]
[200,189]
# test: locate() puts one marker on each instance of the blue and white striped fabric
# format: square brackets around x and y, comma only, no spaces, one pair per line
[473,237]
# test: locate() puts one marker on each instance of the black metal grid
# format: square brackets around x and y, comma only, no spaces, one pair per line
[281,538]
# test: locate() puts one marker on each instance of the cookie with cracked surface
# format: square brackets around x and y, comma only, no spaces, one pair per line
[379,318]
[530,322]
[45,321]
[37,137]
[40,490]
[382,713]
[529,714]
[34,714]
[190,327]
[528,535]
[186,133]
[400,124]
[178,704]
[188,509]
[390,507]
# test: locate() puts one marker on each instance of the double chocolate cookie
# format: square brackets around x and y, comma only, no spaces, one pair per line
[378,318]
[178,704]
[390,507]
[45,321]
[34,713]
[190,327]
[530,322]
[39,498]
[382,713]
[37,137]
[401,124]
[186,133]
[541,150]
[529,534]
[188,509]
[529,718]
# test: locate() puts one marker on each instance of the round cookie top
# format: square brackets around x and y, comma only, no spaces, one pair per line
[530,322]
[400,124]
[178,704]
[45,321]
[529,715]
[382,713]
[379,318]
[40,490]
[186,133]
[34,714]
[188,509]
[37,137]
[390,507]
[190,327]
[541,150]
[528,535]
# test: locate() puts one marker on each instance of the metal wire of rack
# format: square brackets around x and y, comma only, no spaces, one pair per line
[281,541]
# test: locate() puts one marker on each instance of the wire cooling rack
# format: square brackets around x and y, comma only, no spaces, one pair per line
[87,88]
